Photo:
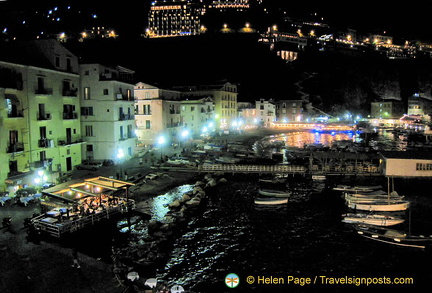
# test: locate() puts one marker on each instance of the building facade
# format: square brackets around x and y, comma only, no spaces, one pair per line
[289,111]
[175,18]
[40,129]
[224,95]
[107,112]
[157,113]
[197,116]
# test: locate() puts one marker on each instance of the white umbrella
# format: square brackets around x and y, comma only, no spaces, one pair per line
[133,276]
[177,289]
[152,282]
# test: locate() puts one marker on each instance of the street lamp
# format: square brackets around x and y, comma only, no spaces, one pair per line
[120,155]
[161,142]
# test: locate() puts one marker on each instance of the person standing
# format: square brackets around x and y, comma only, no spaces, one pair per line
[75,259]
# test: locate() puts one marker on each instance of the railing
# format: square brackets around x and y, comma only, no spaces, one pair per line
[70,92]
[71,225]
[315,169]
[252,168]
[16,147]
[44,91]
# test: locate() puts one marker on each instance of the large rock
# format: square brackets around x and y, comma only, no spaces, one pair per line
[174,204]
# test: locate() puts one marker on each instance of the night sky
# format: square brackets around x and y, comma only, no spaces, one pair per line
[407,21]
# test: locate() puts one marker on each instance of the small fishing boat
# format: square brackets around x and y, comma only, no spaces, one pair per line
[371,219]
[270,201]
[357,188]
[273,180]
[274,193]
[394,237]
[379,205]
[351,197]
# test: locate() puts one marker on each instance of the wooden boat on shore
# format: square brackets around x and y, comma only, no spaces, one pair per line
[371,219]
[394,237]
[379,205]
[270,201]
[274,193]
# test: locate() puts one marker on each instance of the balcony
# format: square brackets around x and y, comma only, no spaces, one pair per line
[42,163]
[70,92]
[16,114]
[70,115]
[45,143]
[124,97]
[124,117]
[43,116]
[15,148]
[44,91]
[69,141]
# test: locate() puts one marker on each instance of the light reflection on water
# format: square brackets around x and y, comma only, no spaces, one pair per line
[299,139]
[159,206]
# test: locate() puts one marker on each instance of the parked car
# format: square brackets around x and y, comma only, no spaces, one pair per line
[89,166]
[151,176]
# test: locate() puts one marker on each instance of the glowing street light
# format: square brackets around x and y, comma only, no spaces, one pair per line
[161,142]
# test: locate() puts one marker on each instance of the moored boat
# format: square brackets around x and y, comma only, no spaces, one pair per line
[395,237]
[350,197]
[357,188]
[274,193]
[378,220]
[270,201]
[379,205]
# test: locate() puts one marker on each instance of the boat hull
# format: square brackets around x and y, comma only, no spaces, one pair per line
[377,220]
[271,201]
[380,207]
[274,193]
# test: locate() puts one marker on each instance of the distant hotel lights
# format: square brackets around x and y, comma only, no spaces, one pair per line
[184,17]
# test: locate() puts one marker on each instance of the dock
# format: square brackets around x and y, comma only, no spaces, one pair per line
[81,205]
[58,222]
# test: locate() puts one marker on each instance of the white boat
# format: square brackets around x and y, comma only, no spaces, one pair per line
[274,193]
[377,220]
[379,205]
[352,197]
[270,201]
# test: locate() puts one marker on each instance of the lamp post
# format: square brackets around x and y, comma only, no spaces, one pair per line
[120,156]
[161,142]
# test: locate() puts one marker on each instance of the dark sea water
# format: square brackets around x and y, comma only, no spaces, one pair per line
[305,238]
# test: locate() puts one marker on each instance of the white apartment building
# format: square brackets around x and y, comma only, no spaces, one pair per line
[107,112]
[265,112]
[197,116]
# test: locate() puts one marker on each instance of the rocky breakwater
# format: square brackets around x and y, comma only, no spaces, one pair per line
[150,241]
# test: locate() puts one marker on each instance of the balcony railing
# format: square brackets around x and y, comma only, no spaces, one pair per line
[43,116]
[124,97]
[70,92]
[42,163]
[16,147]
[70,115]
[69,141]
[45,143]
[16,114]
[124,117]
[44,91]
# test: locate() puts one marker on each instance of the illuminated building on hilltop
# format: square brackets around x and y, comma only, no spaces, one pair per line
[239,5]
[175,18]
